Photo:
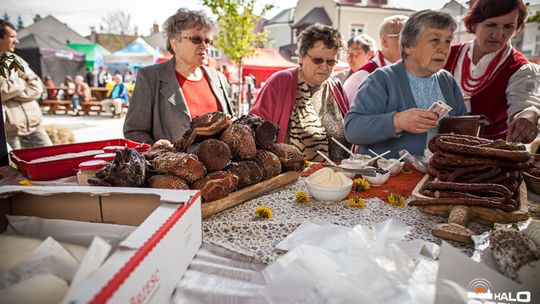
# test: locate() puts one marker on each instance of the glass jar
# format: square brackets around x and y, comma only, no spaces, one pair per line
[88,170]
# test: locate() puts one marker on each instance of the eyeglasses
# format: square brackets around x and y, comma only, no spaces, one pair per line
[198,40]
[393,35]
[319,61]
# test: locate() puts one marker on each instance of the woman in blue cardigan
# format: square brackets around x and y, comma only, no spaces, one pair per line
[390,111]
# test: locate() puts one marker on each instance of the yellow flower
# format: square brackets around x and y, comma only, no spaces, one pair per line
[263,212]
[357,202]
[302,197]
[361,184]
[25,182]
[396,200]
[306,163]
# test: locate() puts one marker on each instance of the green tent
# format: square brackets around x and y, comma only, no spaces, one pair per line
[94,53]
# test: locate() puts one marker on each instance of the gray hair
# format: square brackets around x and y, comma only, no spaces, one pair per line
[319,32]
[185,19]
[392,25]
[421,21]
[364,41]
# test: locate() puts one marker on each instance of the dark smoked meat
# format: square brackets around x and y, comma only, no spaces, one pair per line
[127,169]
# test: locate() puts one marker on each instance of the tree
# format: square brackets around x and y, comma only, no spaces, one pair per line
[117,22]
[534,18]
[237,36]
[20,24]
[6,17]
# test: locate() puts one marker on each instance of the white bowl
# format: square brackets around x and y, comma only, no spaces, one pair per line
[383,163]
[329,194]
[377,180]
[346,163]
[360,158]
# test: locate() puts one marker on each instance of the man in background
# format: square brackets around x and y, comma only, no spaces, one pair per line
[117,97]
[19,93]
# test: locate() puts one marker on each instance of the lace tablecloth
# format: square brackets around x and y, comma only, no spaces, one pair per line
[239,230]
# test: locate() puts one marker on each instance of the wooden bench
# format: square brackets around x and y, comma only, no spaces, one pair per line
[55,105]
[95,106]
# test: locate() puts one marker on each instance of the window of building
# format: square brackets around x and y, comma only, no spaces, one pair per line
[215,53]
[537,46]
[357,29]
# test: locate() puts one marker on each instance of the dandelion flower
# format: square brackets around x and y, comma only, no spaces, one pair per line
[361,184]
[307,163]
[302,197]
[264,212]
[25,182]
[396,200]
[356,202]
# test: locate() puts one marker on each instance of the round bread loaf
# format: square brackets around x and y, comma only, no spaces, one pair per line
[210,124]
[290,157]
[186,166]
[251,120]
[213,153]
[240,140]
[248,172]
[163,181]
[216,185]
[269,163]
[266,135]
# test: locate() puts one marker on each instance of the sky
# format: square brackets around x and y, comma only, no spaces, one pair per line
[80,15]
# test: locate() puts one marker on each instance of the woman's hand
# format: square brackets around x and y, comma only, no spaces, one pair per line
[523,128]
[414,120]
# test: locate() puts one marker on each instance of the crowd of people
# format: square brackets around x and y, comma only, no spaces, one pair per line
[381,102]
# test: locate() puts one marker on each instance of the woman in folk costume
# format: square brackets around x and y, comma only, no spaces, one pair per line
[496,80]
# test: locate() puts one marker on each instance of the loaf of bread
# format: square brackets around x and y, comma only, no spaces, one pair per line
[186,166]
[248,172]
[210,124]
[213,153]
[269,163]
[163,181]
[240,140]
[216,185]
[290,157]
[266,135]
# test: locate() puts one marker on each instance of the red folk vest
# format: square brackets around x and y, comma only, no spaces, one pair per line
[491,100]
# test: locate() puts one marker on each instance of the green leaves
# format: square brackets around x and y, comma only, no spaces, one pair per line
[9,63]
[237,21]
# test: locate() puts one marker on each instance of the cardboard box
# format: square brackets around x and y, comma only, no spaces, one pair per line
[149,263]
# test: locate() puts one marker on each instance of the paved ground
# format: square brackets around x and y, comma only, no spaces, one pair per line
[89,128]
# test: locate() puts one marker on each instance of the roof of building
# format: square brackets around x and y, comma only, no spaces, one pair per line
[316,15]
[285,16]
[50,26]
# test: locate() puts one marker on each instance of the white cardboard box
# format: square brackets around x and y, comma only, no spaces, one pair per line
[149,263]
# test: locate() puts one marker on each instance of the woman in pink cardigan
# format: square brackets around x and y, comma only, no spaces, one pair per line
[306,103]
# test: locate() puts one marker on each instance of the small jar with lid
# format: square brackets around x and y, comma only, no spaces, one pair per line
[105,156]
[88,170]
[113,149]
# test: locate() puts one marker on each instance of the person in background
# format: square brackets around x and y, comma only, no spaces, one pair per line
[128,77]
[250,83]
[360,50]
[90,77]
[390,111]
[387,54]
[19,92]
[103,77]
[226,72]
[497,80]
[69,88]
[117,97]
[51,88]
[305,102]
[82,93]
[168,95]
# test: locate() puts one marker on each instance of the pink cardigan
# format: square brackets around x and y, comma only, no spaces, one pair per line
[278,97]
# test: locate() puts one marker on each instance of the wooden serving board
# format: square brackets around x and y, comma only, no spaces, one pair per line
[482,215]
[245,194]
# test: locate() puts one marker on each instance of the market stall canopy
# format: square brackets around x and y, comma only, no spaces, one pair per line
[264,63]
[137,52]
[93,52]
[48,56]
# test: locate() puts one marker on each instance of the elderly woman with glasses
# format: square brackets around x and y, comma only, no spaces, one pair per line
[497,80]
[391,108]
[306,103]
[360,50]
[168,95]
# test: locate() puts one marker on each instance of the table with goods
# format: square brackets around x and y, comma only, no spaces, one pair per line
[257,193]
